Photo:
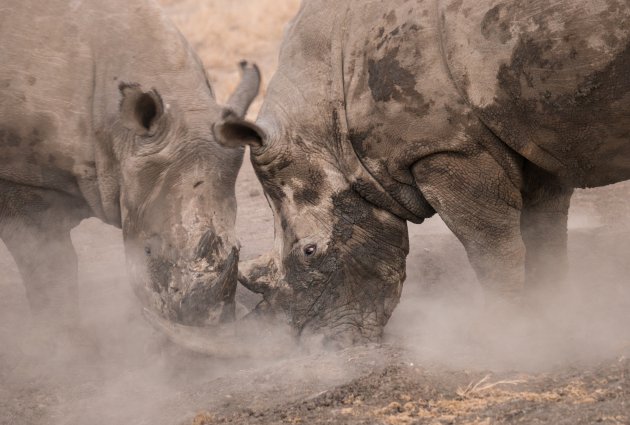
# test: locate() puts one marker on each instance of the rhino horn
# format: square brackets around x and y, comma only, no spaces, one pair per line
[247,89]
[259,275]
[219,294]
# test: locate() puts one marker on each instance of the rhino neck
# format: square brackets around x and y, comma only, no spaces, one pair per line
[374,185]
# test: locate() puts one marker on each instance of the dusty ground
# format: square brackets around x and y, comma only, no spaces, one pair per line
[568,364]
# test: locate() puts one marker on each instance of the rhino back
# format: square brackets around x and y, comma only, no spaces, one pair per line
[550,79]
[415,78]
[62,63]
[45,88]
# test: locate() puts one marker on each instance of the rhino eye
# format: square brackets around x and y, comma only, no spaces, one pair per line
[310,249]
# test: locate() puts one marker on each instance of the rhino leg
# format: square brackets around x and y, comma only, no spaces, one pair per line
[544,228]
[480,201]
[37,233]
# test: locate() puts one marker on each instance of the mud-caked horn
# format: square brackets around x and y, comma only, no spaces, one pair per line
[212,301]
[259,275]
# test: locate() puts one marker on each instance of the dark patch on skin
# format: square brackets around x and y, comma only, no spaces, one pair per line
[587,120]
[10,138]
[160,273]
[336,128]
[279,165]
[496,24]
[528,53]
[36,137]
[399,32]
[350,213]
[267,174]
[357,139]
[390,17]
[608,84]
[209,246]
[309,183]
[389,81]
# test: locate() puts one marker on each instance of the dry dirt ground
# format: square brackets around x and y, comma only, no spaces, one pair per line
[566,364]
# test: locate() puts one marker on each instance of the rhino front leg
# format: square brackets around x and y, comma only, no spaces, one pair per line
[48,266]
[480,201]
[36,229]
[544,228]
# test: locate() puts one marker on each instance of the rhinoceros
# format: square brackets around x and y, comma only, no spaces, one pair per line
[486,112]
[106,111]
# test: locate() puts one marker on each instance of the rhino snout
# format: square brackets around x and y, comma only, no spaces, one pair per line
[191,284]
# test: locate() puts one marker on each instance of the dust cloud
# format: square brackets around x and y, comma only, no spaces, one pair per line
[443,317]
[115,368]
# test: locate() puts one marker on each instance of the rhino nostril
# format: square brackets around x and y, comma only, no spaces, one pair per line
[197,184]
[147,250]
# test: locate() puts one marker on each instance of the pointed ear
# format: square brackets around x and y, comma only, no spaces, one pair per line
[232,131]
[139,110]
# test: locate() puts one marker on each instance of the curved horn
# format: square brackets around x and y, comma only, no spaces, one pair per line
[218,297]
[247,89]
[250,337]
[259,275]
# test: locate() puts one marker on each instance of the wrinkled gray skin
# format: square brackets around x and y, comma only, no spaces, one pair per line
[105,111]
[486,112]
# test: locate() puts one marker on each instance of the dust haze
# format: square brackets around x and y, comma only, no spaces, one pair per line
[581,320]
[116,369]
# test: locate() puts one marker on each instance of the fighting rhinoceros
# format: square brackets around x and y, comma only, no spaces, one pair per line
[105,111]
[381,112]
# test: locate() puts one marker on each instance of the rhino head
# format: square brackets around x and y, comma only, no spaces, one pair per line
[338,264]
[170,187]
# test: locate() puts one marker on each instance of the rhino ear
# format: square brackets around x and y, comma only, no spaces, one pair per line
[232,131]
[139,110]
